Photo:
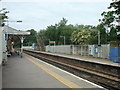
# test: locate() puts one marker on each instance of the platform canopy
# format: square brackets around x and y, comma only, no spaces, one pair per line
[12,31]
[16,35]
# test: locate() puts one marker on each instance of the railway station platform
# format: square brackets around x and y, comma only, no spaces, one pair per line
[30,72]
[88,59]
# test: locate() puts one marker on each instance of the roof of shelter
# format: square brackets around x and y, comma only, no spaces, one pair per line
[10,30]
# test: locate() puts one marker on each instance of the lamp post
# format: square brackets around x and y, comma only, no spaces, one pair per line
[64,39]
[99,42]
[19,21]
[98,37]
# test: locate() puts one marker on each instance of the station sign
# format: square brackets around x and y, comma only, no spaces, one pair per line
[52,42]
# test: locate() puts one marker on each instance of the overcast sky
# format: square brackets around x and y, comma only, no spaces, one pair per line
[38,14]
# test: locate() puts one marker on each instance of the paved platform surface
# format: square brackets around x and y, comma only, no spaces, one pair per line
[89,59]
[30,72]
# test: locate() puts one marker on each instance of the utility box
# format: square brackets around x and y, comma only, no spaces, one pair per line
[115,51]
[115,54]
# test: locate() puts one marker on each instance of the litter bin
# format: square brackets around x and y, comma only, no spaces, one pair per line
[115,54]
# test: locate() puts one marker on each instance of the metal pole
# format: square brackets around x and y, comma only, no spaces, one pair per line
[22,46]
[99,48]
[64,40]
[54,43]
[98,37]
[49,42]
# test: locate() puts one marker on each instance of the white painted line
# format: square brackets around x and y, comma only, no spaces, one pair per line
[69,73]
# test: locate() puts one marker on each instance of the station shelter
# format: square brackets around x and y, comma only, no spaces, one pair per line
[11,37]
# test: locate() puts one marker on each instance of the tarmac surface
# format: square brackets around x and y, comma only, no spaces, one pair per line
[30,72]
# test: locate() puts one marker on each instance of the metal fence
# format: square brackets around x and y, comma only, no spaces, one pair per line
[83,50]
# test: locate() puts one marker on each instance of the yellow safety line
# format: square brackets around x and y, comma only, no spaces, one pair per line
[55,75]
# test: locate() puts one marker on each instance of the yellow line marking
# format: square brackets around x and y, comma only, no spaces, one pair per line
[55,75]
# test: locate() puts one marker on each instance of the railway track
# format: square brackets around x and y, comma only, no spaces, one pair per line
[104,75]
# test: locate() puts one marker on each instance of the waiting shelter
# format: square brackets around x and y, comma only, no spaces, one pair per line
[11,37]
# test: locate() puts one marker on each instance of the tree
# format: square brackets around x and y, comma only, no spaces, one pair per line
[109,19]
[29,40]
[80,36]
[53,32]
[63,22]
[94,37]
[3,16]
[68,30]
[83,35]
[103,35]
[71,32]
[113,34]
[42,35]
[112,16]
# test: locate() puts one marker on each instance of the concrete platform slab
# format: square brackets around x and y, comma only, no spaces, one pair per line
[30,72]
[20,73]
